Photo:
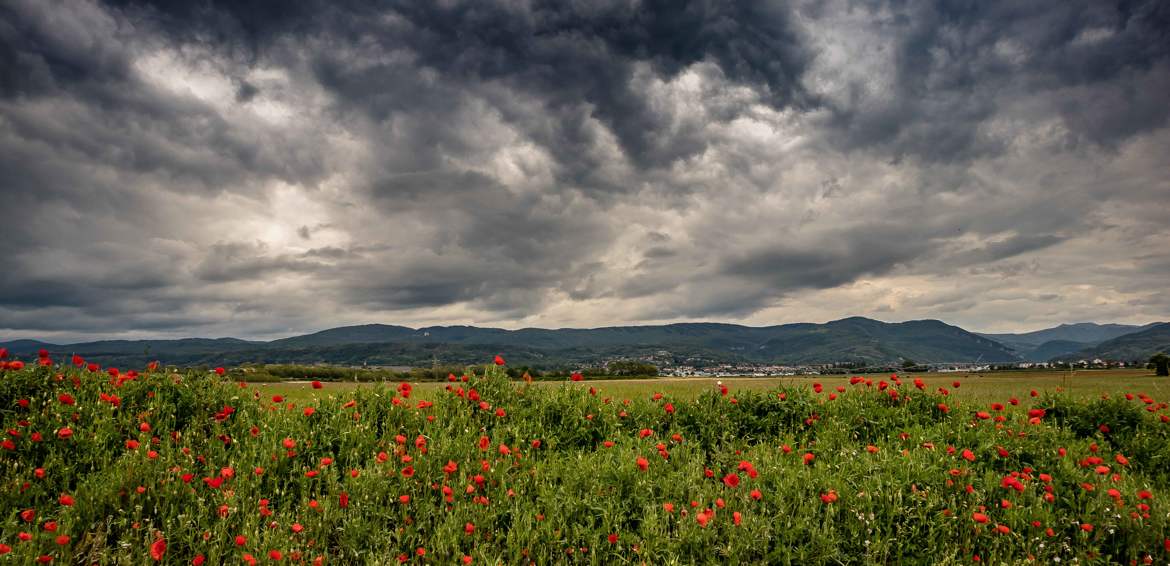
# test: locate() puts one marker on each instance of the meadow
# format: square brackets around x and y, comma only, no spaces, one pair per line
[983,386]
[100,466]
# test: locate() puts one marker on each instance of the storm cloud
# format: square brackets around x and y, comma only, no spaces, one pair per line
[262,168]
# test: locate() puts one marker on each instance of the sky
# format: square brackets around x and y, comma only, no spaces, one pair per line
[260,168]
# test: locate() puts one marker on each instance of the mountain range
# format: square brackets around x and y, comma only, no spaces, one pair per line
[1065,340]
[855,339]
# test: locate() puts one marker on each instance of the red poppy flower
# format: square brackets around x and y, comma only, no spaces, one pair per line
[704,517]
[499,360]
[980,518]
[643,464]
[577,376]
[219,371]
[731,480]
[157,549]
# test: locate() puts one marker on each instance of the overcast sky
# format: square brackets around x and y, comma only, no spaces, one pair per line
[265,168]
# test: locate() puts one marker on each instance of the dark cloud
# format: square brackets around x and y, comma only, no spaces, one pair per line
[260,167]
[578,59]
[957,65]
[246,91]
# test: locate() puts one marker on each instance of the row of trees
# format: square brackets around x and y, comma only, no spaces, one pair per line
[282,372]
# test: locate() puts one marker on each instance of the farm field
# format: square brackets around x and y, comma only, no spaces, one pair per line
[974,386]
[135,468]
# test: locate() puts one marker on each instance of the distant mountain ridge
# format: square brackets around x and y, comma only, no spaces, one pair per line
[1135,346]
[1046,344]
[854,339]
[1088,332]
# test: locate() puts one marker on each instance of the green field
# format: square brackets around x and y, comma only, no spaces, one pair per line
[1084,384]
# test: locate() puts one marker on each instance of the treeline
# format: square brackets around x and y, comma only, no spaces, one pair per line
[291,372]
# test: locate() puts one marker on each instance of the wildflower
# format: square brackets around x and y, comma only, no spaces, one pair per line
[158,548]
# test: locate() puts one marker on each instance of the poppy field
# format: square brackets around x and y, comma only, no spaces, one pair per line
[107,466]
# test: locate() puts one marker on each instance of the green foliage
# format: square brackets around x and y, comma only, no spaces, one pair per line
[631,367]
[1160,363]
